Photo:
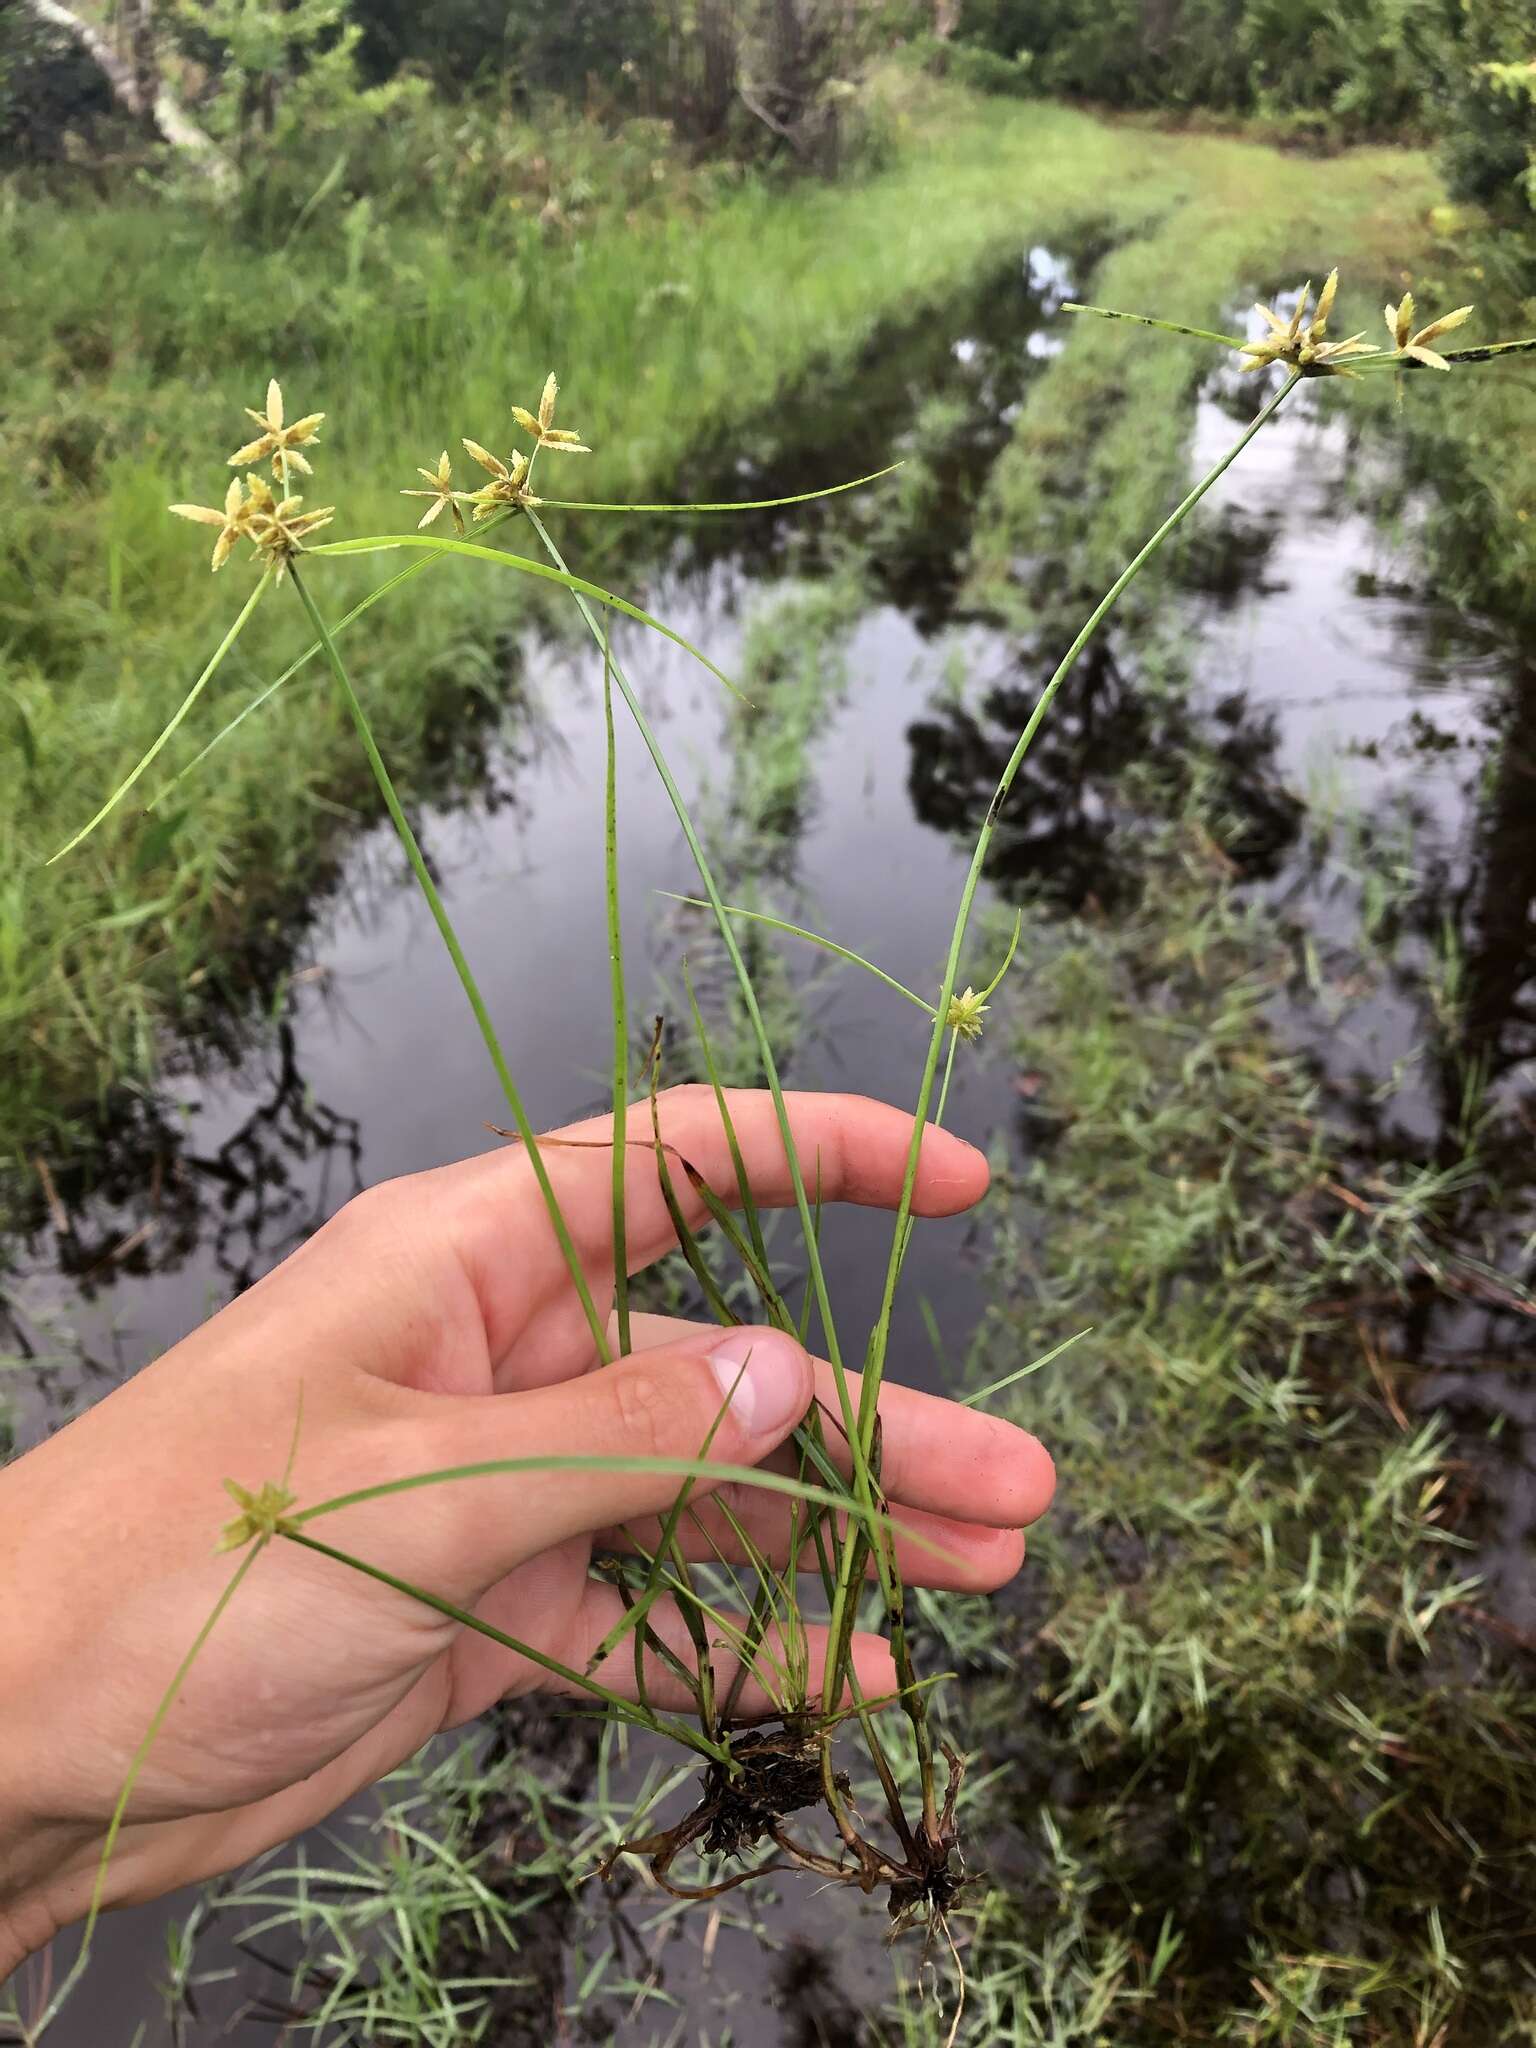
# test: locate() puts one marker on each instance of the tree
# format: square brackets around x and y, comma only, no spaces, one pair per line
[134,82]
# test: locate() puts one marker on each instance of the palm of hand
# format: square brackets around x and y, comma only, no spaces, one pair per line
[433,1324]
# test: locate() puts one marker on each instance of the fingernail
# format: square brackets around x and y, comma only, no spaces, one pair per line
[762,1373]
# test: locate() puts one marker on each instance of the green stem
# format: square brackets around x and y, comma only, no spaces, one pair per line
[660,1724]
[197,689]
[862,1485]
[620,1007]
[724,505]
[315,647]
[798,931]
[136,1765]
[1024,1371]
[450,938]
[1147,320]
[875,1363]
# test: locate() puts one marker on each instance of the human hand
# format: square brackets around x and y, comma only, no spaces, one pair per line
[432,1323]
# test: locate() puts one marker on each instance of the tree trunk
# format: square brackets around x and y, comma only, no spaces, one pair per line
[136,31]
[135,80]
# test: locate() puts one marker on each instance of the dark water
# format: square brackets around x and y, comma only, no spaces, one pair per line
[1336,685]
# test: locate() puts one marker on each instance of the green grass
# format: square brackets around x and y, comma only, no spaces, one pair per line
[141,327]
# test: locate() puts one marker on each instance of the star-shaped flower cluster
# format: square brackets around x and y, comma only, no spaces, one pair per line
[262,1515]
[1415,345]
[1298,341]
[508,489]
[276,525]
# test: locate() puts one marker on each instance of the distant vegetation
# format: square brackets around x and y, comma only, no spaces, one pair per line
[778,80]
[1461,71]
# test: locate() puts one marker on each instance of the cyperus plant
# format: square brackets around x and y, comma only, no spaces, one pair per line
[841,1530]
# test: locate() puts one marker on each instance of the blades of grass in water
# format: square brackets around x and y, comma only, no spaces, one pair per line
[1024,1371]
[381,544]
[796,931]
[900,1235]
[725,504]
[407,837]
[242,619]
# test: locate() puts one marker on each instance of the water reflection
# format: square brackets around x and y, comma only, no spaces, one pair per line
[1062,829]
[938,395]
[243,1204]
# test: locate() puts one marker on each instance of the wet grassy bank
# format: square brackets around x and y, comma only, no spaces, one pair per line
[1273,1781]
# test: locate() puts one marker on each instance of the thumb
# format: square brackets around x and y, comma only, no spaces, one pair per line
[750,1386]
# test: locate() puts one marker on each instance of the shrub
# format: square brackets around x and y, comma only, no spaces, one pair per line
[974,65]
[1490,114]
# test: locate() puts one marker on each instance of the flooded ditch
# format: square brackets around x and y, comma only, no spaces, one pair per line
[1377,748]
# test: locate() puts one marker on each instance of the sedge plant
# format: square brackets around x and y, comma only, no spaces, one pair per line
[756,1779]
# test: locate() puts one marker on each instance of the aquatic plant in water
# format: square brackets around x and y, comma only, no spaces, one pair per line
[756,1779]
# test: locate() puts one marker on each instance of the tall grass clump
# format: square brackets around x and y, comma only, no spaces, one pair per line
[841,1530]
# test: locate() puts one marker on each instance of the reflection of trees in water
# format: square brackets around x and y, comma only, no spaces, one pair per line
[1499,922]
[938,395]
[154,1200]
[1486,1068]
[141,1199]
[1063,825]
[1225,558]
[1119,711]
[1485,1040]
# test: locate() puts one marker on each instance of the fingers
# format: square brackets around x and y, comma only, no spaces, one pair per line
[931,1550]
[729,1396]
[853,1148]
[782,1672]
[947,1460]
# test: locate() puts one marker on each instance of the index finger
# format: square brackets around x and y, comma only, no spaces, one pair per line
[850,1148]
[937,1456]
